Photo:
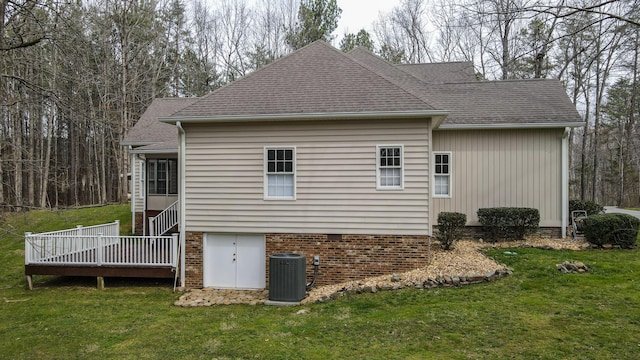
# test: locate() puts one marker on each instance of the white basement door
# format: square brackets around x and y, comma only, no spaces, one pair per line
[234,261]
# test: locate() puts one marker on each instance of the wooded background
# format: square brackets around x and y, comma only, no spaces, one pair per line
[75,75]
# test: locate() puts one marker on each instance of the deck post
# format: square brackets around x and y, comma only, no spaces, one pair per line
[99,251]
[29,282]
[27,248]
[79,227]
[100,283]
[117,228]
[174,249]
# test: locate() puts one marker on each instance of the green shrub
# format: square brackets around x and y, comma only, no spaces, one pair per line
[508,223]
[589,206]
[450,228]
[611,229]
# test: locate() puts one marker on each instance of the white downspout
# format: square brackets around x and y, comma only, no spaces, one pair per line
[133,191]
[430,183]
[565,180]
[143,193]
[181,172]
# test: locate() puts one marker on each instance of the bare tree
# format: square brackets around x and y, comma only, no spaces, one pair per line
[404,29]
[235,18]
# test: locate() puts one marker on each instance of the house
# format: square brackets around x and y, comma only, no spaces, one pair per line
[153,146]
[348,157]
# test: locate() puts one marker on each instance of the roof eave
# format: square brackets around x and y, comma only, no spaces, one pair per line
[548,125]
[154,151]
[136,143]
[361,115]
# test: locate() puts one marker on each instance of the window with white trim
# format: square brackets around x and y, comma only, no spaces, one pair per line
[280,177]
[442,174]
[390,167]
[162,176]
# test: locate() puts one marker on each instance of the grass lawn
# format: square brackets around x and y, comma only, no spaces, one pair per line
[535,313]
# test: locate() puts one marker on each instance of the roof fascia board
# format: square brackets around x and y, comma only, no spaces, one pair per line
[155,151]
[136,143]
[437,121]
[307,116]
[509,126]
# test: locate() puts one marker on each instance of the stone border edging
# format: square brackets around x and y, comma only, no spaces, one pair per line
[395,283]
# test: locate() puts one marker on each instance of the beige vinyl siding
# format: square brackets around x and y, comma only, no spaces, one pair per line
[139,186]
[335,178]
[495,168]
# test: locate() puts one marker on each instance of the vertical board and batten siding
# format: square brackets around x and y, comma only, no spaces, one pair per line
[335,178]
[503,168]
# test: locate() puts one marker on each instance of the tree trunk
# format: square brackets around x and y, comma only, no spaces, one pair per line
[583,158]
[3,119]
[44,179]
[31,158]
[17,158]
[630,128]
[596,134]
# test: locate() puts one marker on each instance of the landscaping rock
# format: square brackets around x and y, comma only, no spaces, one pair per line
[462,265]
[572,267]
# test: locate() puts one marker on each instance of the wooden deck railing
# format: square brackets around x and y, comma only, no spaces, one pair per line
[163,222]
[142,251]
[82,246]
[73,243]
[110,229]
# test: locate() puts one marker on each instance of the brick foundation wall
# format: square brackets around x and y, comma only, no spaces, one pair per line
[555,232]
[139,223]
[342,257]
[352,257]
[475,232]
[149,214]
[193,259]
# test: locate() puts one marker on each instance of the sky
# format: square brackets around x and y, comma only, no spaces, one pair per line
[359,14]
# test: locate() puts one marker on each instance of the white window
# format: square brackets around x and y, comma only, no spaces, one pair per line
[442,174]
[390,171]
[280,173]
[163,176]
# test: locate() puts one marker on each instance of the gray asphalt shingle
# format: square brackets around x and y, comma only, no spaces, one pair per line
[149,130]
[504,102]
[479,102]
[321,79]
[441,73]
[315,79]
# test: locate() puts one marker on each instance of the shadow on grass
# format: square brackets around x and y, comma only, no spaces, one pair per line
[110,282]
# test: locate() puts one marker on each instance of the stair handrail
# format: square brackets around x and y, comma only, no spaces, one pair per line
[165,220]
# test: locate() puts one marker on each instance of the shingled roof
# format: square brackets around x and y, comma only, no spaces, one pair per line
[319,79]
[498,103]
[152,134]
[441,73]
[315,79]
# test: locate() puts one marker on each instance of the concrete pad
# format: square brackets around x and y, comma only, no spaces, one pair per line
[282,303]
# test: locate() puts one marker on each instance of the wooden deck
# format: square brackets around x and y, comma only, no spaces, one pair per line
[100,256]
[101,271]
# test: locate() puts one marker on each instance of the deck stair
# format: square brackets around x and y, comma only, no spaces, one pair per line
[165,221]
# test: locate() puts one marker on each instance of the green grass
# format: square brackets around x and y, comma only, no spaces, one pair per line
[535,313]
